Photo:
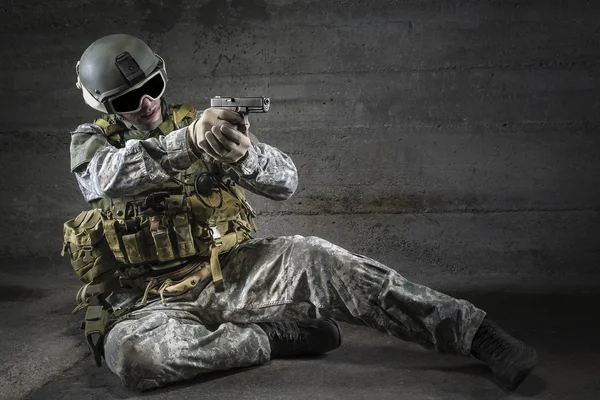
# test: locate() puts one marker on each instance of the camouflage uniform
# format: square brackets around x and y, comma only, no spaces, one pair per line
[265,279]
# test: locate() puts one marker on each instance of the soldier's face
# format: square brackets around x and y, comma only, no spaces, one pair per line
[148,115]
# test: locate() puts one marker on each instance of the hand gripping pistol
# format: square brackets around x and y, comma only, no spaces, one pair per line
[242,105]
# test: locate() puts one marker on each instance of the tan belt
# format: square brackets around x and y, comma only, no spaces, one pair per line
[177,282]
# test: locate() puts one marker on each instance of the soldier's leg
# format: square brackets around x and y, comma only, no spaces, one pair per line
[307,277]
[168,346]
[298,277]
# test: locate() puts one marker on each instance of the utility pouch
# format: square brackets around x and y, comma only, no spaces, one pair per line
[89,252]
[162,240]
[183,232]
[111,230]
[96,324]
[135,247]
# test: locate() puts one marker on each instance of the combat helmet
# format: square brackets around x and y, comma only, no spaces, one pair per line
[116,72]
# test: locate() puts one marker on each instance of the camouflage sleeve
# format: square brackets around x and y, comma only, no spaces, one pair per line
[266,171]
[103,170]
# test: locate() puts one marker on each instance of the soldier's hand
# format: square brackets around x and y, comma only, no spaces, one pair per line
[209,118]
[225,143]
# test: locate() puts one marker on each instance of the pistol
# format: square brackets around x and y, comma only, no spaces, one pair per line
[242,105]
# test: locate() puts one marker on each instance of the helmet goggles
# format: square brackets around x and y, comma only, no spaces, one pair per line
[131,100]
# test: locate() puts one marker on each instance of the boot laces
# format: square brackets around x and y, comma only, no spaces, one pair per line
[495,342]
[495,345]
[287,333]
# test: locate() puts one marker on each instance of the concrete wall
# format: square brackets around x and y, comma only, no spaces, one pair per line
[437,136]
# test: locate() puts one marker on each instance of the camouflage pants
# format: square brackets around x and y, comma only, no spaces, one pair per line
[280,278]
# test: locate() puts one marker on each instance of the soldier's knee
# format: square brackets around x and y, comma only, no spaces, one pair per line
[128,356]
[315,244]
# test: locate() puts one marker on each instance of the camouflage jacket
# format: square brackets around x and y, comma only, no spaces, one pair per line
[103,170]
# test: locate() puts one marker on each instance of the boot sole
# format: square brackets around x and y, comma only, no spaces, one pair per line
[339,331]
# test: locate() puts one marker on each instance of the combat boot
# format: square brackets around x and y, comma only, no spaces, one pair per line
[510,360]
[302,338]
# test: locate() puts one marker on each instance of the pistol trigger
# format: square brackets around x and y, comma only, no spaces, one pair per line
[246,122]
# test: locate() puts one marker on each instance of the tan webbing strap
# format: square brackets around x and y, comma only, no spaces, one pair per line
[110,232]
[215,269]
[161,290]
[215,266]
[179,115]
[96,322]
[82,299]
[150,285]
[167,126]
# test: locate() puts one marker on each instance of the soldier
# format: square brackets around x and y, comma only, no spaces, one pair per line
[196,292]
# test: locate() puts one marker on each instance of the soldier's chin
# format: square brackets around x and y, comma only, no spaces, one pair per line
[150,118]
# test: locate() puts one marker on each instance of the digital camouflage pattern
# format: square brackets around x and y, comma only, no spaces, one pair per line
[103,170]
[281,278]
[265,279]
[169,346]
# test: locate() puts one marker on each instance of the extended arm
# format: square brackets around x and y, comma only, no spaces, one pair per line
[258,167]
[266,171]
[103,170]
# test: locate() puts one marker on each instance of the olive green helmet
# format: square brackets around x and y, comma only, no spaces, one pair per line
[116,72]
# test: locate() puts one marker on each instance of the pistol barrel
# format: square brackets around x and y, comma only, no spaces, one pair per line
[242,104]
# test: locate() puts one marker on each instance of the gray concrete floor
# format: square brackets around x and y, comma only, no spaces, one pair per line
[41,349]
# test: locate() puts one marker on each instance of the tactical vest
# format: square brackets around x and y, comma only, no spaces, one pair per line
[165,240]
